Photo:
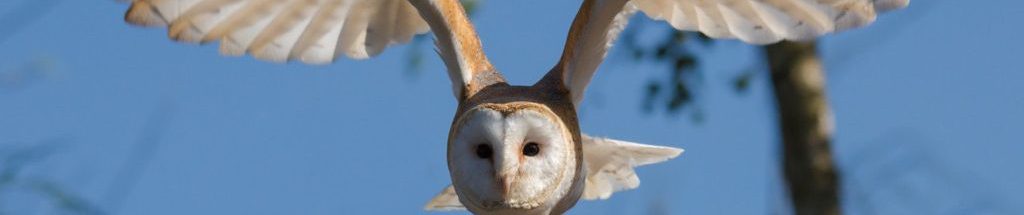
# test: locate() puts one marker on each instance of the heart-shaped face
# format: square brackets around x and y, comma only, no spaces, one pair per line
[511,157]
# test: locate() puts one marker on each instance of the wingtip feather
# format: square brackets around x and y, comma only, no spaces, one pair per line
[185,33]
[141,13]
[888,5]
[446,200]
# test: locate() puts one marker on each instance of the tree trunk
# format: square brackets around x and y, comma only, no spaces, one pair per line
[806,123]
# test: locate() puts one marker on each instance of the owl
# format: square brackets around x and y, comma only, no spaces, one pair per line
[512,149]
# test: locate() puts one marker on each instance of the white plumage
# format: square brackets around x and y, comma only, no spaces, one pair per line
[766,21]
[319,31]
[511,149]
[609,167]
[752,21]
[610,164]
[311,31]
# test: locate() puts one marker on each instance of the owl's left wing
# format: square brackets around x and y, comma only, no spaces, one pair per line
[610,164]
[320,31]
[447,200]
[599,22]
[315,32]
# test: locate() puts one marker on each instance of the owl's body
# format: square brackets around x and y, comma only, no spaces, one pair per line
[511,149]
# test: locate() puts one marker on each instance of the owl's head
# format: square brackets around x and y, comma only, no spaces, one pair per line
[511,156]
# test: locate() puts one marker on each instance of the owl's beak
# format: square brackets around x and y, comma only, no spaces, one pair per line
[505,177]
[505,183]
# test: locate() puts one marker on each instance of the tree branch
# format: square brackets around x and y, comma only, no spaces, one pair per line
[806,123]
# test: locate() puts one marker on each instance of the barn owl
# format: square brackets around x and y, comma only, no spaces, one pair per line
[511,149]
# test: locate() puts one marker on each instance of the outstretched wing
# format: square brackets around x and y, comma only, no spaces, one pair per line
[311,31]
[766,21]
[599,22]
[447,200]
[318,31]
[610,164]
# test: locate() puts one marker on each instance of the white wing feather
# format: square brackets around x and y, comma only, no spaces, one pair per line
[599,22]
[610,164]
[311,31]
[447,200]
[766,21]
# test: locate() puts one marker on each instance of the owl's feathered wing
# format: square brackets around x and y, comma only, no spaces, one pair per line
[311,31]
[599,22]
[609,167]
[447,200]
[766,21]
[610,164]
[319,31]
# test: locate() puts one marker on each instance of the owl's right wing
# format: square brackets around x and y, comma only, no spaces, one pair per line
[599,22]
[766,21]
[318,31]
[610,164]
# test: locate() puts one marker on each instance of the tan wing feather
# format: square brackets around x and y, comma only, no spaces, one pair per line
[595,28]
[459,47]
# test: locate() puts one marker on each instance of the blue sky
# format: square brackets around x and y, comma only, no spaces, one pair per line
[927,106]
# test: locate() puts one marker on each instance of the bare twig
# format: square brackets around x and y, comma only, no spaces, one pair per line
[23,15]
[145,149]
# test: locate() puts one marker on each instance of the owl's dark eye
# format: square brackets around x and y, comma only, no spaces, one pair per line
[483,151]
[531,149]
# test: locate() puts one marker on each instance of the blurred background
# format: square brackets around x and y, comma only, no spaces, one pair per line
[919,113]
